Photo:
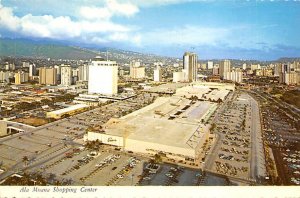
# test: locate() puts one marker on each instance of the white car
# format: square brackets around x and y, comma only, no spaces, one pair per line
[120,176]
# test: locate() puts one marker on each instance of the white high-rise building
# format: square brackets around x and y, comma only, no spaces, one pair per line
[244,66]
[66,75]
[225,67]
[103,77]
[32,70]
[210,64]
[136,70]
[83,72]
[157,74]
[190,66]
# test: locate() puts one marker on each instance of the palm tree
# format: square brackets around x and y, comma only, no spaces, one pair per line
[25,159]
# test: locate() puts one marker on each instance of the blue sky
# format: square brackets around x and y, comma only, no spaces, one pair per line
[264,30]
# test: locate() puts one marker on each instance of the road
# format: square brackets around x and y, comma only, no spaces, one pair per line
[257,165]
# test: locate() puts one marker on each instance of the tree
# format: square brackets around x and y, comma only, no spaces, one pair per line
[219,100]
[157,158]
[25,160]
[45,101]
[213,126]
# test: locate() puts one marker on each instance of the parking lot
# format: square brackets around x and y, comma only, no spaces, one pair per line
[238,153]
[85,167]
[170,175]
[281,139]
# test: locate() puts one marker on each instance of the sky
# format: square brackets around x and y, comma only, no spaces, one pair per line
[214,29]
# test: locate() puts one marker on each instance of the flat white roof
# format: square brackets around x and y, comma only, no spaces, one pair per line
[152,123]
[68,109]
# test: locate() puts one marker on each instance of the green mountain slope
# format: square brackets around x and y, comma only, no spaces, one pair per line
[21,48]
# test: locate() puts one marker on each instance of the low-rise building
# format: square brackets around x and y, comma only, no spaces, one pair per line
[67,111]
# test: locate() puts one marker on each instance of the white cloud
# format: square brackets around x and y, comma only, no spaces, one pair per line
[99,29]
[95,13]
[7,18]
[126,9]
[111,8]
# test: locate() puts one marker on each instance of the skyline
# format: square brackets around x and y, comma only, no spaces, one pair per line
[262,30]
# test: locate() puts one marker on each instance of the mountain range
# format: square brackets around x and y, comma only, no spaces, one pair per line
[55,50]
[61,50]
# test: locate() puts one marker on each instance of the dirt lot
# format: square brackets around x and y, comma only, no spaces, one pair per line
[33,121]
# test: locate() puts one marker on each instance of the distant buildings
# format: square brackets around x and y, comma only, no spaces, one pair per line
[216,70]
[190,66]
[236,75]
[83,74]
[244,66]
[5,75]
[32,70]
[289,74]
[75,75]
[66,75]
[47,76]
[225,67]
[21,77]
[255,67]
[58,70]
[103,77]
[158,74]
[136,70]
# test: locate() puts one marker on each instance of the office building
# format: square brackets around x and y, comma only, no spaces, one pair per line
[58,72]
[276,69]
[136,70]
[21,77]
[244,66]
[47,76]
[32,70]
[83,74]
[210,64]
[190,66]
[225,67]
[216,70]
[103,77]
[158,74]
[66,75]
[75,75]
